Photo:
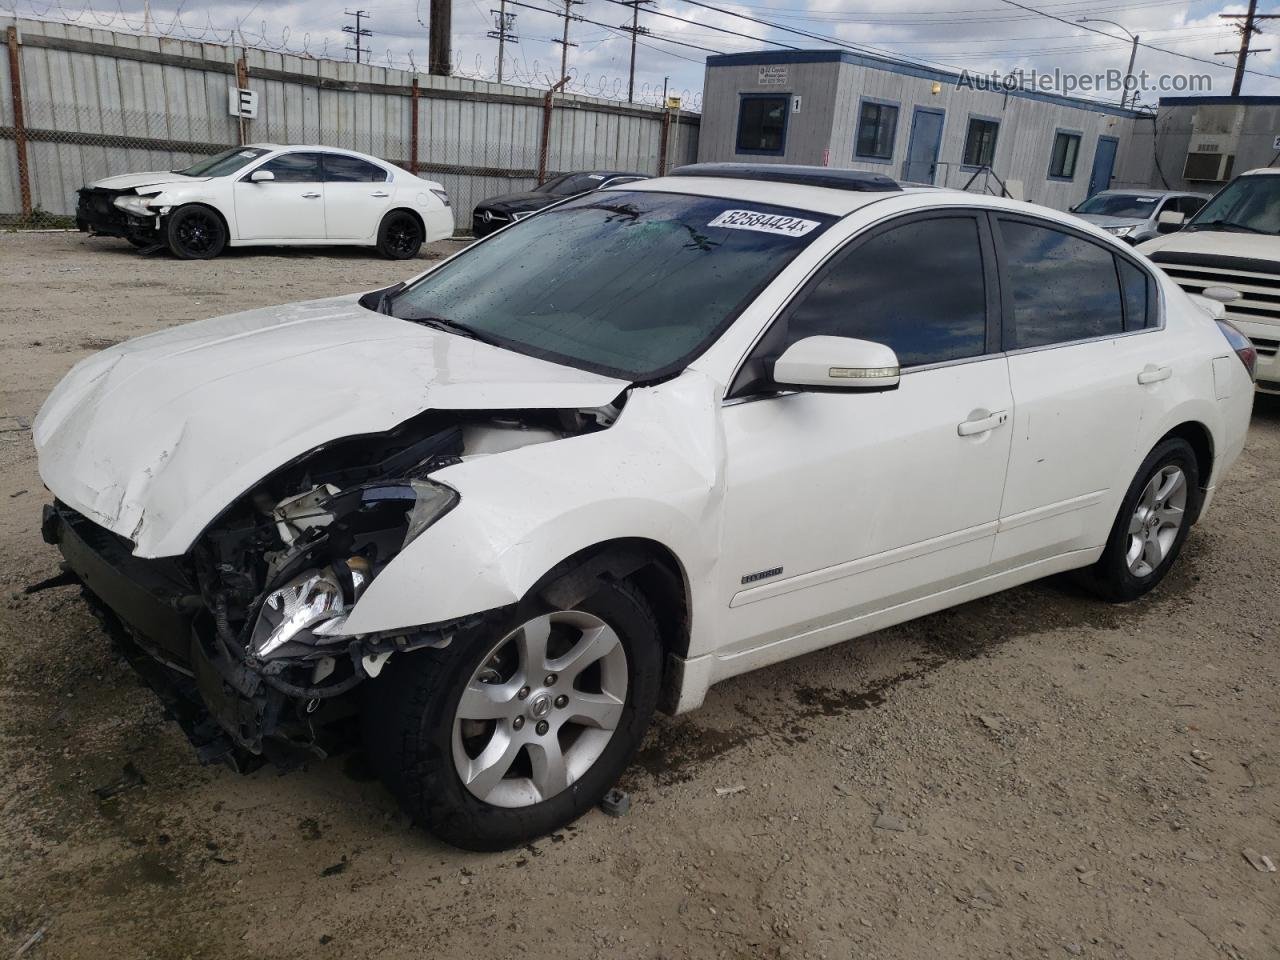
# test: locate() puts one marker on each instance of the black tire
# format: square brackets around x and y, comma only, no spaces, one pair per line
[409,712]
[195,232]
[1111,577]
[400,235]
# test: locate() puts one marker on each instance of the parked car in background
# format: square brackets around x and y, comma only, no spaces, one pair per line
[1234,243]
[269,195]
[496,212]
[650,439]
[1133,215]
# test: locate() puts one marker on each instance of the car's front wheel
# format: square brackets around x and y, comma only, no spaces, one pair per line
[195,232]
[522,724]
[1154,520]
[400,236]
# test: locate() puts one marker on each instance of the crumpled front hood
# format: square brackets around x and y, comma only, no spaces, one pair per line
[154,437]
[132,181]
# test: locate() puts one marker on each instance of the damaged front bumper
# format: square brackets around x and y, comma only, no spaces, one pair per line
[231,709]
[97,214]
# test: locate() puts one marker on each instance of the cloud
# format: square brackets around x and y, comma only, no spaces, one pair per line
[977,35]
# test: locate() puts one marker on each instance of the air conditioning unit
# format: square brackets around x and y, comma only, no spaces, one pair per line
[1215,135]
[1208,166]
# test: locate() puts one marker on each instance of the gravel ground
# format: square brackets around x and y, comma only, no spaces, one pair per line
[1035,774]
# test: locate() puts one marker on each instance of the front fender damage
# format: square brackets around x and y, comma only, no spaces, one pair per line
[277,575]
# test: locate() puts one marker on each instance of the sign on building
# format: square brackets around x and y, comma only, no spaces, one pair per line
[773,75]
[243,103]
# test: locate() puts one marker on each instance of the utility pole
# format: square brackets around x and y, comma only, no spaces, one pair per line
[1133,55]
[504,31]
[146,17]
[357,31]
[1247,30]
[564,40]
[440,64]
[634,29]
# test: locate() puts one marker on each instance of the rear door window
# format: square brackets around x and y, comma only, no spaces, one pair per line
[1063,288]
[342,169]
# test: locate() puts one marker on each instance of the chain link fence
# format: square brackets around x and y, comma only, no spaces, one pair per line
[68,145]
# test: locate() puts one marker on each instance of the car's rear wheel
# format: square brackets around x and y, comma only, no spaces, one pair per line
[195,233]
[519,725]
[1154,520]
[400,236]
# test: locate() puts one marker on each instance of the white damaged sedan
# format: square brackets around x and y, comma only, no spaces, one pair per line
[633,445]
[268,195]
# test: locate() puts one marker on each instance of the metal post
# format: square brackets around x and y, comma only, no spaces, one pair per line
[19,122]
[502,34]
[547,101]
[662,140]
[413,132]
[242,81]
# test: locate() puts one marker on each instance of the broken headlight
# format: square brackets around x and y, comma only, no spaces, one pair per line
[303,604]
[138,206]
[367,526]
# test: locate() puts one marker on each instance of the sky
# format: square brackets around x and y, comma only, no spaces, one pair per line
[979,36]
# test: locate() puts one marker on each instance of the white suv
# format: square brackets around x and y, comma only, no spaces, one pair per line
[1234,242]
[644,440]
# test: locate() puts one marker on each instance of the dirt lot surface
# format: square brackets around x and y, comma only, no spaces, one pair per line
[1037,774]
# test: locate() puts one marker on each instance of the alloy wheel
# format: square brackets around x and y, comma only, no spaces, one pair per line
[540,709]
[1156,520]
[197,232]
[402,236]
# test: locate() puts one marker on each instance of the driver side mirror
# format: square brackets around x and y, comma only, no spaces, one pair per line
[837,363]
[1170,221]
[262,176]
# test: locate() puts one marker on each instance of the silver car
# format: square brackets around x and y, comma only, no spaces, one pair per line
[1133,214]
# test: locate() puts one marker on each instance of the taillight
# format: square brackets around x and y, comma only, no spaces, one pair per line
[1242,345]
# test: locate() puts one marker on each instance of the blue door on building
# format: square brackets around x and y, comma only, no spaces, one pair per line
[1104,161]
[922,149]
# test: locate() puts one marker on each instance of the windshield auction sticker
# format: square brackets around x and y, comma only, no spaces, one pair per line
[763,223]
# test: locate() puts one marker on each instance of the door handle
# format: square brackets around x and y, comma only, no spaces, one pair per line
[380,193]
[311,196]
[1152,373]
[973,427]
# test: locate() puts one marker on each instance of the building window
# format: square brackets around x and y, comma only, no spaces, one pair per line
[762,123]
[877,125]
[980,142]
[1066,149]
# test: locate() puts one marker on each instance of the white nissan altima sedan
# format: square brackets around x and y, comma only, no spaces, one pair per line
[637,443]
[268,195]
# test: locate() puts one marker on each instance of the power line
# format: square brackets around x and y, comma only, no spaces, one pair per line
[1247,30]
[1149,46]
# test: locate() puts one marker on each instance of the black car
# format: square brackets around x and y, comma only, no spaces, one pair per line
[496,212]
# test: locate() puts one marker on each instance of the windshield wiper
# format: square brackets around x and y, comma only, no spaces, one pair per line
[449,326]
[1223,224]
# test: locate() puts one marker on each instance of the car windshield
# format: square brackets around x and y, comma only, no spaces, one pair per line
[569,184]
[625,283]
[224,163]
[1137,205]
[1249,204]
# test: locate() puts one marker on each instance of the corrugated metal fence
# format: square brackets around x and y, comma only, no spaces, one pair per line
[77,104]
